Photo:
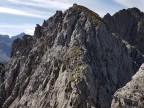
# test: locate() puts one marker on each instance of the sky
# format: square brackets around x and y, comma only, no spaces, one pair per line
[18,16]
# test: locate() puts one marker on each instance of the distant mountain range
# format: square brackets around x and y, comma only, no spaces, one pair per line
[5,46]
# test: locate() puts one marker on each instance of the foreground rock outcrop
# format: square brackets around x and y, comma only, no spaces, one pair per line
[72,61]
[131,95]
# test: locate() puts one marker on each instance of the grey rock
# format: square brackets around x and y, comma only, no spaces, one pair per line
[72,61]
[17,36]
[2,99]
[129,25]
[131,95]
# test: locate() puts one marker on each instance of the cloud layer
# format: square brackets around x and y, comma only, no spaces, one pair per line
[20,12]
[36,10]
[32,9]
[27,28]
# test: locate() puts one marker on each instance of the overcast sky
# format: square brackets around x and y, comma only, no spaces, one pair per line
[18,16]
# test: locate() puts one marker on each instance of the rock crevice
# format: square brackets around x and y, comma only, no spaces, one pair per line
[72,61]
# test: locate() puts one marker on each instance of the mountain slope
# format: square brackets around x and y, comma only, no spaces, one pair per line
[5,46]
[17,36]
[131,95]
[129,24]
[1,67]
[72,61]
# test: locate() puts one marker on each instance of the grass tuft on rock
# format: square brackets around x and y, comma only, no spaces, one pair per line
[75,51]
[95,17]
[73,79]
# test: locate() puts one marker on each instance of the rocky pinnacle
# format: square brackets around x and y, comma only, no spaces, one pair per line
[74,60]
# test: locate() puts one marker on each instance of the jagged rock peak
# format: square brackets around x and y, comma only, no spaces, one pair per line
[19,46]
[75,10]
[70,62]
[128,23]
[95,17]
[134,10]
[1,67]
[130,11]
[131,95]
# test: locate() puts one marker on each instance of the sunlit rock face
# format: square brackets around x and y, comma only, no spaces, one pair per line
[72,61]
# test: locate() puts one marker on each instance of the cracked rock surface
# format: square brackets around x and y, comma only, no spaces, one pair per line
[131,95]
[72,61]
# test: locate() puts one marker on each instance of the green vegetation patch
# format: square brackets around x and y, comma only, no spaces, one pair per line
[73,79]
[77,66]
[77,69]
[75,51]
[73,55]
[95,17]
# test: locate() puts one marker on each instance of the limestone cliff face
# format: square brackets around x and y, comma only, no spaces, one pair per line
[72,61]
[129,24]
[1,67]
[131,95]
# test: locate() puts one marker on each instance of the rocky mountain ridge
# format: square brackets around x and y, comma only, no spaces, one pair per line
[131,22]
[5,46]
[74,60]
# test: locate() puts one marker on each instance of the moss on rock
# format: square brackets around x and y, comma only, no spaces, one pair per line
[95,17]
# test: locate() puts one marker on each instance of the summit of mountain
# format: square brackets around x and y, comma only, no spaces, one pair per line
[74,60]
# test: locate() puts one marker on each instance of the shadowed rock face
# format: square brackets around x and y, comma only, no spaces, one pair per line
[1,79]
[72,61]
[1,67]
[129,24]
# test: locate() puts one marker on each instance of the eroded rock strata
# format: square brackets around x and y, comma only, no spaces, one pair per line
[74,60]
